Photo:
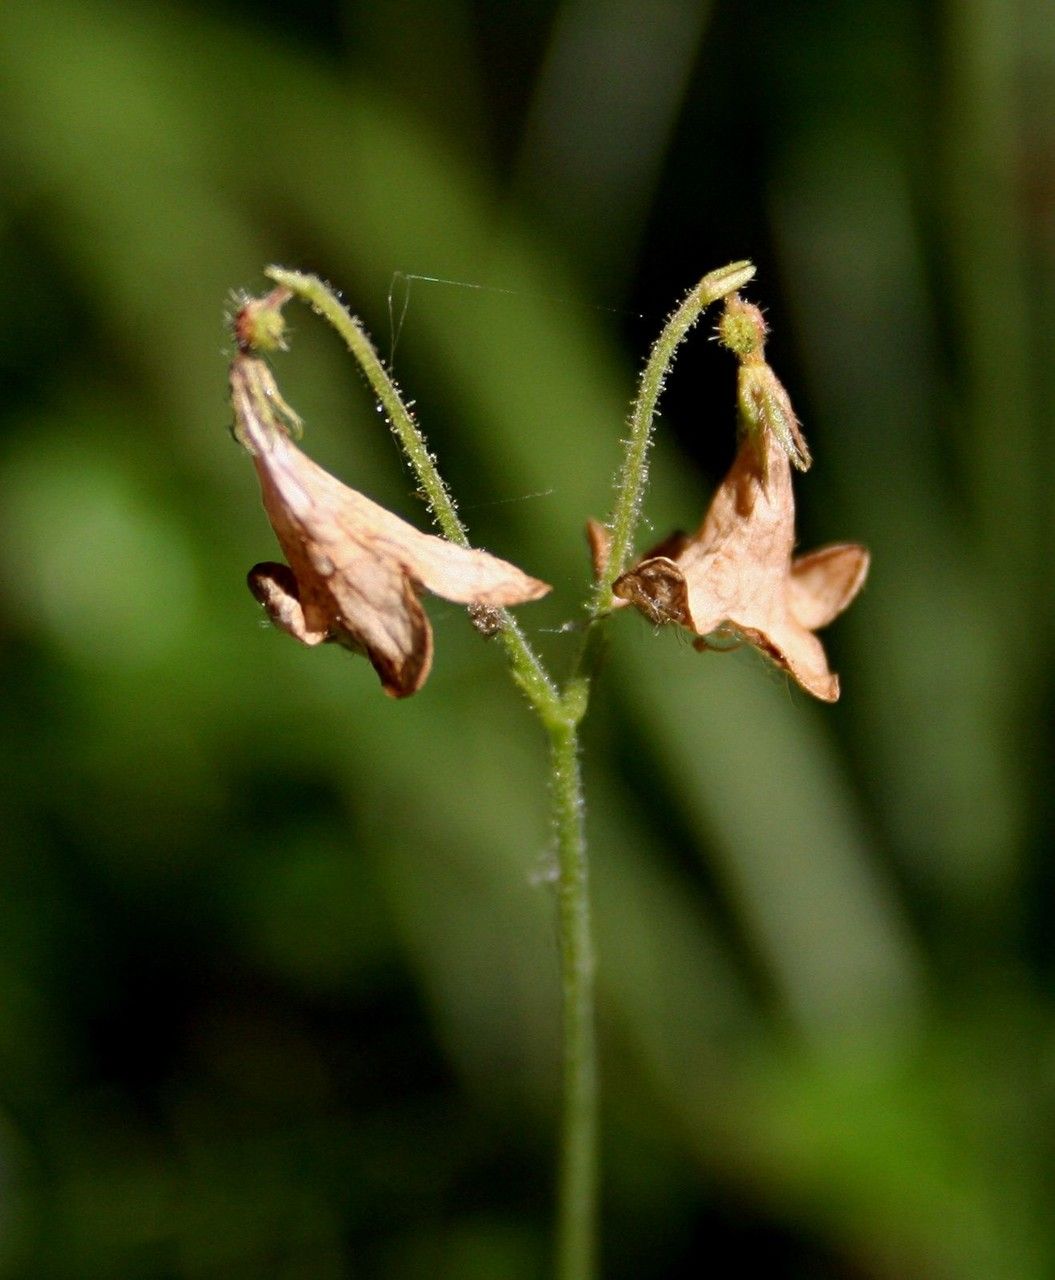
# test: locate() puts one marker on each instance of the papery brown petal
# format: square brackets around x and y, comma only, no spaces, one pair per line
[756,516]
[656,587]
[824,582]
[375,612]
[275,586]
[599,540]
[792,649]
[462,574]
[307,503]
[383,617]
[802,655]
[362,590]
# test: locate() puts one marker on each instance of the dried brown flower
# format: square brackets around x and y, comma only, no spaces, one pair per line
[737,574]
[354,568]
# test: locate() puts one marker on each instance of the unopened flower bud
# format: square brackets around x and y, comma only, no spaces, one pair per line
[742,329]
[260,325]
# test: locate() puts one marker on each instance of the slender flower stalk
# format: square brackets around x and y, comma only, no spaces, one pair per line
[560,709]
[324,302]
[528,672]
[633,475]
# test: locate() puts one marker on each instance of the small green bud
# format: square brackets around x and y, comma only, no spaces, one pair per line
[742,329]
[260,325]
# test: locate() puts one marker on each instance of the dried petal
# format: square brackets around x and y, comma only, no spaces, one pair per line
[276,588]
[824,582]
[599,540]
[657,587]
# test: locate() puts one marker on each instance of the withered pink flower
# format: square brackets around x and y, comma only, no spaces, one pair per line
[737,574]
[354,568]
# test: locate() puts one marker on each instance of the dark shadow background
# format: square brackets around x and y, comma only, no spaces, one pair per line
[277,963]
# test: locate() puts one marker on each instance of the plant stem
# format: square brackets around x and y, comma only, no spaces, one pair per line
[577,1177]
[577,1174]
[633,474]
[561,712]
[321,298]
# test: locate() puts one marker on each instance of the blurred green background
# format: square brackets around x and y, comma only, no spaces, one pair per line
[277,955]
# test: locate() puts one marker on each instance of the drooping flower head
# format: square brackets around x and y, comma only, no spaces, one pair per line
[737,573]
[354,569]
